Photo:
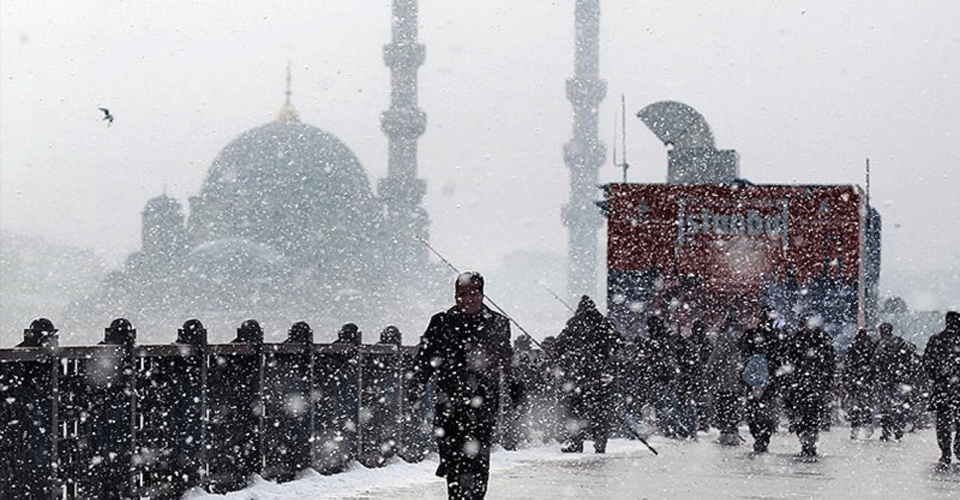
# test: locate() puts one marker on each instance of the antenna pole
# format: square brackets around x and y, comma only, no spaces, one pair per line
[615,164]
[623,132]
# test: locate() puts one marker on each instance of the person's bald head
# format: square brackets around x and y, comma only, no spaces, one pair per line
[469,292]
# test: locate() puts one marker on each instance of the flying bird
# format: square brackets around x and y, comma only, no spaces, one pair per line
[107,116]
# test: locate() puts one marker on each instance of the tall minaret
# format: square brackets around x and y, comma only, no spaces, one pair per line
[584,153]
[401,191]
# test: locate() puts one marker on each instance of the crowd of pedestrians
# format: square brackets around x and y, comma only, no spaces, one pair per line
[756,372]
[686,376]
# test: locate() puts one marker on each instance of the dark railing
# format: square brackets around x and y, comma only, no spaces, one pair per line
[121,420]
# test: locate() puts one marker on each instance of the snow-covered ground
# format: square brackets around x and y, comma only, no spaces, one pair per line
[847,469]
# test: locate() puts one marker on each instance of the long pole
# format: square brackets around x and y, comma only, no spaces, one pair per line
[492,303]
[640,438]
[545,287]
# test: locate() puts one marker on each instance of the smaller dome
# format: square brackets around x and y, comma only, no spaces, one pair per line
[237,261]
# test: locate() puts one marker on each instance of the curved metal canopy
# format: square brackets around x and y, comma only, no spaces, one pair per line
[677,125]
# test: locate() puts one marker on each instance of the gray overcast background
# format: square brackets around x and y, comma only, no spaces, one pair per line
[804,91]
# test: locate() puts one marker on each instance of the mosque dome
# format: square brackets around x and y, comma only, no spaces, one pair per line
[287,184]
[287,158]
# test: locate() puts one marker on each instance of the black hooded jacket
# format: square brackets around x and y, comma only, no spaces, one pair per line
[588,346]
[941,361]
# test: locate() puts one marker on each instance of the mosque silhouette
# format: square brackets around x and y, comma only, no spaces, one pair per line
[287,226]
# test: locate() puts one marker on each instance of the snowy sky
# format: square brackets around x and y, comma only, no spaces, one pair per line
[804,91]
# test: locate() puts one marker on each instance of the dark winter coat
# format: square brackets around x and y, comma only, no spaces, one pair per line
[704,349]
[765,340]
[528,376]
[661,353]
[941,361]
[588,347]
[468,353]
[725,362]
[915,378]
[811,361]
[891,362]
[689,367]
[858,364]
[808,369]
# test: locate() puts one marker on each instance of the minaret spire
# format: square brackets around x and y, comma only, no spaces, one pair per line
[401,191]
[289,83]
[288,113]
[584,154]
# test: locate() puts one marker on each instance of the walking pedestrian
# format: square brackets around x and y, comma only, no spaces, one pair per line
[660,352]
[588,347]
[760,349]
[857,383]
[812,358]
[891,362]
[690,378]
[723,369]
[941,361]
[468,349]
[706,387]
[526,381]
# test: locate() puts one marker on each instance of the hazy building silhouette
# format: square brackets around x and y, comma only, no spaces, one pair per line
[286,226]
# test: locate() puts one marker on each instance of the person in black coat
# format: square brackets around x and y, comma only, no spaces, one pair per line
[723,369]
[662,367]
[690,379]
[588,347]
[857,382]
[915,400]
[705,387]
[524,387]
[468,349]
[891,363]
[812,359]
[941,361]
[763,342]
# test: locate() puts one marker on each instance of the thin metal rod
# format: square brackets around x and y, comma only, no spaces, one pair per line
[491,301]
[868,182]
[545,287]
[623,126]
[623,131]
[615,133]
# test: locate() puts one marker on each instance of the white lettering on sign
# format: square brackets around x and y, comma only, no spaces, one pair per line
[745,222]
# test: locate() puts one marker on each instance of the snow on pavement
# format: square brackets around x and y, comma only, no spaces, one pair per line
[847,469]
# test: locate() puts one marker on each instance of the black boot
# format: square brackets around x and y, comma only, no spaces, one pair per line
[808,445]
[600,446]
[956,443]
[759,447]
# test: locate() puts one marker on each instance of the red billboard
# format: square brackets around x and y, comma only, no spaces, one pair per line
[717,244]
